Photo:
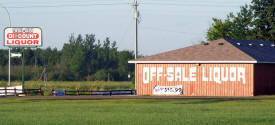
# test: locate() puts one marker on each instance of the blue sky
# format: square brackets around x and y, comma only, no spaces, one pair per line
[164,25]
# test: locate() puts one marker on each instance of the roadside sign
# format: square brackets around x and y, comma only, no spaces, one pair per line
[23,37]
[16,54]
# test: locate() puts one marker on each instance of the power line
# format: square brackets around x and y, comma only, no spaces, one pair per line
[187,4]
[171,31]
[54,1]
[125,3]
[68,5]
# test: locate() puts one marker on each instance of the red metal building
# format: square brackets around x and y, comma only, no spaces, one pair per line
[222,67]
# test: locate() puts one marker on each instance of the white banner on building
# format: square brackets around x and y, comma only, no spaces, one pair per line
[167,90]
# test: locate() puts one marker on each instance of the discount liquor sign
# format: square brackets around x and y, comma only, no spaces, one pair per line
[23,37]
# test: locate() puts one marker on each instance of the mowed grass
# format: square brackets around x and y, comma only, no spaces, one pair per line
[21,111]
[68,85]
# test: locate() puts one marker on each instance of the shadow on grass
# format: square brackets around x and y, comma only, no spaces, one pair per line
[23,100]
[205,101]
[10,100]
[212,101]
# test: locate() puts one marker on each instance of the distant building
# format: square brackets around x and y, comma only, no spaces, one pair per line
[223,67]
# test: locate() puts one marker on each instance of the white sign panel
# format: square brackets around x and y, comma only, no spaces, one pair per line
[15,54]
[22,37]
[167,90]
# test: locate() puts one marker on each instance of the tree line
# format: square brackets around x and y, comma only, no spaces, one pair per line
[82,58]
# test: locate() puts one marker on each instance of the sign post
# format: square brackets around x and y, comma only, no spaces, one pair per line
[22,37]
[23,69]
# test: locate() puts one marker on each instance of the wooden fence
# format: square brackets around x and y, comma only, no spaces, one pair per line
[52,92]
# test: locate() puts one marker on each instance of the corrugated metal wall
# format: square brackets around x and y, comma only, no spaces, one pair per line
[199,87]
[264,79]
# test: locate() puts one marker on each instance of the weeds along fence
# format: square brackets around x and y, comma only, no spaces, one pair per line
[52,92]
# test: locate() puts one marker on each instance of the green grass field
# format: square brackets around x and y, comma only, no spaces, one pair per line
[61,85]
[20,111]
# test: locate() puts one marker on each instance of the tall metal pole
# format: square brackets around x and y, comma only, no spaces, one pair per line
[9,82]
[135,5]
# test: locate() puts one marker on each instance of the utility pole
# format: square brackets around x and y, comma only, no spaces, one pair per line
[9,82]
[135,5]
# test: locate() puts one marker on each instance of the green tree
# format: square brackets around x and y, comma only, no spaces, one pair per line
[219,29]
[3,59]
[123,67]
[101,75]
[29,56]
[264,19]
[77,66]
[67,54]
[252,22]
